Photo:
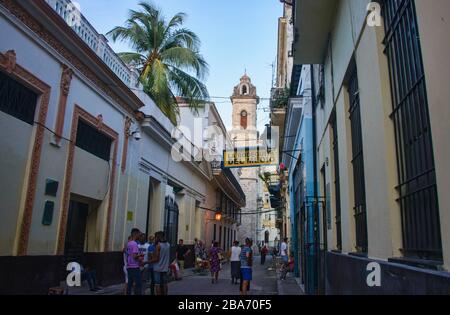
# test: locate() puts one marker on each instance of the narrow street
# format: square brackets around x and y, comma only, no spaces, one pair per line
[264,282]
[143,135]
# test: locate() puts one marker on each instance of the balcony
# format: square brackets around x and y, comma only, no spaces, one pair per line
[312,23]
[279,99]
[97,42]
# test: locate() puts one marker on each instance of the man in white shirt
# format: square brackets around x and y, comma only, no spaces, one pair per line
[284,251]
[143,250]
[235,262]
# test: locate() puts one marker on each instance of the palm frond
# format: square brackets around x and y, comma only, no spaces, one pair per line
[132,58]
[188,87]
[187,60]
[167,56]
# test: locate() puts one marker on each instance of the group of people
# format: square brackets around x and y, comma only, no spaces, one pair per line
[287,261]
[146,260]
[241,259]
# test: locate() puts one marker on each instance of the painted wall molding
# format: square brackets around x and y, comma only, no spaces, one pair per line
[9,65]
[97,122]
[66,79]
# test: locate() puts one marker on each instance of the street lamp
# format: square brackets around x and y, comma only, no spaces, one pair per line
[218,215]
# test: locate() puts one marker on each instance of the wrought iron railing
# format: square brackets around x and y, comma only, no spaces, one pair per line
[337,186]
[358,164]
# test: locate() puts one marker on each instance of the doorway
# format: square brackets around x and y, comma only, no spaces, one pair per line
[76,230]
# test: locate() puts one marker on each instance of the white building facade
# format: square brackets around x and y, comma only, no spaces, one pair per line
[86,155]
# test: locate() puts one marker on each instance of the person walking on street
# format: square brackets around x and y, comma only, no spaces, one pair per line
[134,261]
[264,252]
[235,262]
[125,259]
[161,261]
[214,258]
[151,251]
[284,251]
[197,247]
[182,252]
[246,266]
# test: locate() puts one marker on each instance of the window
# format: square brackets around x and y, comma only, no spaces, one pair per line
[337,187]
[418,198]
[171,226]
[17,100]
[244,119]
[358,164]
[244,90]
[93,141]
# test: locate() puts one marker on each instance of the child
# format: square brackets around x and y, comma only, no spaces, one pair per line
[289,267]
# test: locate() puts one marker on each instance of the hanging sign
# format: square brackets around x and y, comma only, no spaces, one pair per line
[250,157]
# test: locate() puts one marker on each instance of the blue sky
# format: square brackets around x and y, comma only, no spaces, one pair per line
[235,34]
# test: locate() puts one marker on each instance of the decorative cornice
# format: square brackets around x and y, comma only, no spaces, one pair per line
[66,79]
[127,129]
[9,65]
[139,116]
[99,122]
[127,133]
[9,61]
[28,20]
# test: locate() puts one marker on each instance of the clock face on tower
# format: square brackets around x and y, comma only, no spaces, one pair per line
[244,122]
[245,101]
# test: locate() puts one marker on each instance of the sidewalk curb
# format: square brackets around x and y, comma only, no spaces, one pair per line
[281,287]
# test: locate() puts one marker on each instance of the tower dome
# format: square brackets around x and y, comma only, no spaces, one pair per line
[245,88]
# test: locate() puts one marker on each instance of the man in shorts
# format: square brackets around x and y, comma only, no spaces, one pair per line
[246,266]
[161,261]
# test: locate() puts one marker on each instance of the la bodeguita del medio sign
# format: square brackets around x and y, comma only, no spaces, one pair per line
[250,157]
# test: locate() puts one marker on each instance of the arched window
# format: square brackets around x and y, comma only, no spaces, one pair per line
[244,90]
[244,117]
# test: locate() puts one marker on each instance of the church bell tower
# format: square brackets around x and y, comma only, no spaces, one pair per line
[245,134]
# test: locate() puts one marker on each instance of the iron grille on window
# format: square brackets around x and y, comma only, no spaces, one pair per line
[17,100]
[171,227]
[358,164]
[337,187]
[416,172]
[93,141]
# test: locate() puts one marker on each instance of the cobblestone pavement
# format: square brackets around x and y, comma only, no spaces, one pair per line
[264,282]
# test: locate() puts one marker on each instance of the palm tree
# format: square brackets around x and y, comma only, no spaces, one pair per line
[167,57]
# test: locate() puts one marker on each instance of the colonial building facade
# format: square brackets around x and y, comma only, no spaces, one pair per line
[379,125]
[224,193]
[86,155]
